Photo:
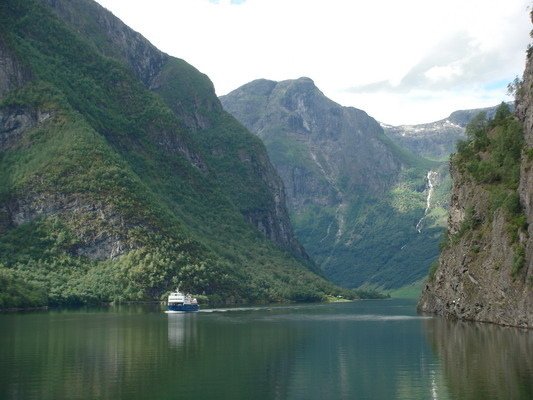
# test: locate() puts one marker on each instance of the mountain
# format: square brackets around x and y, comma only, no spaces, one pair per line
[357,199]
[485,270]
[122,176]
[436,140]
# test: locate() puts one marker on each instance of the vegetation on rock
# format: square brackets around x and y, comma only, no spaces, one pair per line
[109,193]
[492,156]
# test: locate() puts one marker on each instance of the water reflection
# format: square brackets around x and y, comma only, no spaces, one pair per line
[363,355]
[181,329]
[483,361]
[364,350]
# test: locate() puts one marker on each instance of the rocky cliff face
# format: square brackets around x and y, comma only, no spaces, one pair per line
[474,279]
[330,134]
[525,189]
[343,179]
[13,74]
[186,91]
[117,40]
[189,93]
[486,272]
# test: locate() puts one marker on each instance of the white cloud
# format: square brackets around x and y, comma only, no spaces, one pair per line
[446,72]
[426,58]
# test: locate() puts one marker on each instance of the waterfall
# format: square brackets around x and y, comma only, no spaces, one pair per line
[431,177]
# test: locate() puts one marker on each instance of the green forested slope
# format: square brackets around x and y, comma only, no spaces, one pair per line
[111,191]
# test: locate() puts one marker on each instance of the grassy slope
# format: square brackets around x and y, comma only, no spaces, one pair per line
[411,291]
[371,250]
[101,146]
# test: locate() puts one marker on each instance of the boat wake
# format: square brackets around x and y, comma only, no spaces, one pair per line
[349,317]
[223,310]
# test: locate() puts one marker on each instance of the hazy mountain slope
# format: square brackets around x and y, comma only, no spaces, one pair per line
[120,174]
[435,140]
[355,196]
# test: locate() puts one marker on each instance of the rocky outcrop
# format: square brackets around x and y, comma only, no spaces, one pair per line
[525,188]
[100,231]
[483,275]
[13,74]
[15,121]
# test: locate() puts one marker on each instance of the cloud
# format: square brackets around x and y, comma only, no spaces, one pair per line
[456,63]
[380,56]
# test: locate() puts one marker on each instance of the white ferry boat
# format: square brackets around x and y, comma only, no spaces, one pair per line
[181,302]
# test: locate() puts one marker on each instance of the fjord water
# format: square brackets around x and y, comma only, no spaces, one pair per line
[365,350]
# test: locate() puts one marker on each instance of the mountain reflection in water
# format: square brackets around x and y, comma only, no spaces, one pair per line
[483,361]
[363,350]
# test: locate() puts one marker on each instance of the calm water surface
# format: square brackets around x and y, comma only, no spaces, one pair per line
[360,350]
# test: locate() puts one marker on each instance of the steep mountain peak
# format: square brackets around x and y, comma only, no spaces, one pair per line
[298,105]
[262,87]
[299,88]
[188,92]
[302,83]
[111,36]
[335,161]
[304,79]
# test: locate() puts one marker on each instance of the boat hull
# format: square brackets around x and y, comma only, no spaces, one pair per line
[183,307]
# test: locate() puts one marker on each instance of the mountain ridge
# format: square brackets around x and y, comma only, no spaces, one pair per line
[336,162]
[436,140]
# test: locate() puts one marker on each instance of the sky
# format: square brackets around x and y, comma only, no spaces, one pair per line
[403,62]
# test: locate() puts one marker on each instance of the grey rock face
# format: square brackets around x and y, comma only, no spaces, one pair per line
[15,121]
[12,73]
[474,280]
[334,143]
[525,188]
[101,232]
